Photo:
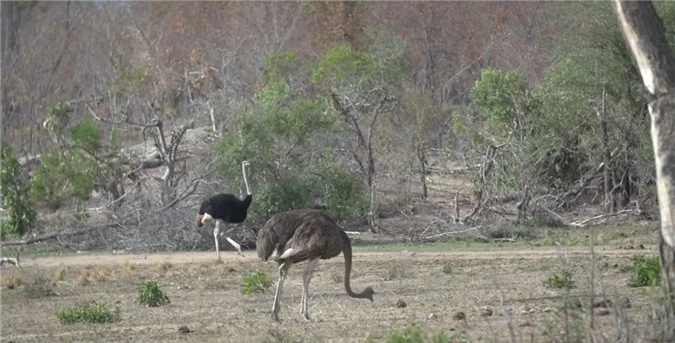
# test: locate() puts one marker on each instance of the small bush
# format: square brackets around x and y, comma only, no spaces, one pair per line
[413,334]
[337,277]
[164,266]
[40,287]
[83,277]
[645,271]
[59,275]
[94,312]
[559,280]
[397,271]
[525,232]
[151,295]
[447,268]
[128,271]
[255,282]
[11,281]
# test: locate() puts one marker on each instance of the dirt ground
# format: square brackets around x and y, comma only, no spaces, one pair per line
[435,285]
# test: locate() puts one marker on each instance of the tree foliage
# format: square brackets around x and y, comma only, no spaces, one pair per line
[18,214]
[284,134]
[592,104]
[75,167]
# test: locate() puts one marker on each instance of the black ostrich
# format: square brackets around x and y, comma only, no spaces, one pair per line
[226,208]
[305,235]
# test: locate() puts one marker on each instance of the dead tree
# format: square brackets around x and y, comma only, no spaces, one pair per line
[364,125]
[646,39]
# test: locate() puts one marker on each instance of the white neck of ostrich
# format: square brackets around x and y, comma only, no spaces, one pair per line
[244,172]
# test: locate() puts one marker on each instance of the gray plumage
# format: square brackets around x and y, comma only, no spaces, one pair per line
[280,228]
[305,235]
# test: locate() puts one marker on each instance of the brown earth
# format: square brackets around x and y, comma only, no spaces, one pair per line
[435,285]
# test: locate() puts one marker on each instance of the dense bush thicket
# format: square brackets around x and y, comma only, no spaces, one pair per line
[344,127]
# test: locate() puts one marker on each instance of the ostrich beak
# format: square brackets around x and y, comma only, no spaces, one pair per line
[200,223]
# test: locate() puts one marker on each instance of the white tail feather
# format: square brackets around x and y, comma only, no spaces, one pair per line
[289,252]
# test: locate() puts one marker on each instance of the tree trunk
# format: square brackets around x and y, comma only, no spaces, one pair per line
[607,157]
[422,156]
[645,35]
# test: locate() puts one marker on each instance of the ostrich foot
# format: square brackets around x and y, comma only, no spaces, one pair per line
[305,316]
[275,317]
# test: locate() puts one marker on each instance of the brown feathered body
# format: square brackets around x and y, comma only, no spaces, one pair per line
[305,235]
[280,228]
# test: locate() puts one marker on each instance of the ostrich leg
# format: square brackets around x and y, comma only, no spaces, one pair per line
[231,241]
[234,244]
[283,270]
[306,277]
[216,233]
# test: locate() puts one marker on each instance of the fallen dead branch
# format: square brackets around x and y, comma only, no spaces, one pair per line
[582,223]
[50,236]
[444,234]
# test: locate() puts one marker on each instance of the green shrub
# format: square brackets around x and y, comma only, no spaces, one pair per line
[560,280]
[255,282]
[413,334]
[151,295]
[645,271]
[94,312]
[18,214]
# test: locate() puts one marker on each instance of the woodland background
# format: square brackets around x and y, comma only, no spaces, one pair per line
[118,118]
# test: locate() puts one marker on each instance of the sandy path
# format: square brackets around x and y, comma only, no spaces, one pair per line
[250,256]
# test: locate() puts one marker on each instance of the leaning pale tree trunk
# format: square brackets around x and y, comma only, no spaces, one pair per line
[645,35]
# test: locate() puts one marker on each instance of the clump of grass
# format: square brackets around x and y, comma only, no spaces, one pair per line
[39,287]
[94,312]
[396,272]
[567,325]
[83,277]
[128,271]
[447,268]
[59,275]
[645,271]
[164,266]
[525,232]
[255,282]
[151,295]
[101,274]
[413,334]
[11,281]
[559,280]
[337,277]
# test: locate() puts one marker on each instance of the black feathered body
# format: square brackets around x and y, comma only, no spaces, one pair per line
[226,207]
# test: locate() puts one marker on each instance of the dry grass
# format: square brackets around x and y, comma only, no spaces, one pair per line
[83,277]
[164,266]
[101,274]
[59,275]
[127,271]
[11,281]
[509,282]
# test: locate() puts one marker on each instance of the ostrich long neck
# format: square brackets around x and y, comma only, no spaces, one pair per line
[347,251]
[243,171]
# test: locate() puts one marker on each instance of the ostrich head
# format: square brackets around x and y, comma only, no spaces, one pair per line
[368,293]
[245,166]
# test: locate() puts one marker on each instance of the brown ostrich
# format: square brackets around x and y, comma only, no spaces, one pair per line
[305,235]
